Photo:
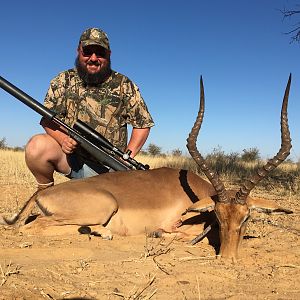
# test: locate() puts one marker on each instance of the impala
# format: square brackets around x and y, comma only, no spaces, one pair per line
[135,202]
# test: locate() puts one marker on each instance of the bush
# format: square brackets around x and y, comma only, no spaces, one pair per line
[153,149]
[3,144]
[176,152]
[251,154]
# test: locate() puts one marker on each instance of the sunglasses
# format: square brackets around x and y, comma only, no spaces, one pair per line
[89,51]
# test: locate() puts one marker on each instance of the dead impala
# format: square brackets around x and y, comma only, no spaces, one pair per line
[135,202]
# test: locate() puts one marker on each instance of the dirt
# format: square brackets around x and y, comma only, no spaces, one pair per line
[86,267]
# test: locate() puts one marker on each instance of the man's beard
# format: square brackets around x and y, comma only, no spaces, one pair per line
[93,79]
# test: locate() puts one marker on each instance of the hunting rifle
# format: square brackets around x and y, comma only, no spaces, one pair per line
[89,139]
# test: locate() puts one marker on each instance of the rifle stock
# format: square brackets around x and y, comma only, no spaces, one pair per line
[92,142]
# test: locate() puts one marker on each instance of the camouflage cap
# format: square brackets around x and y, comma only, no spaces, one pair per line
[94,36]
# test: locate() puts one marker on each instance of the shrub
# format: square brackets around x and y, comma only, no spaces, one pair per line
[153,149]
[3,144]
[251,154]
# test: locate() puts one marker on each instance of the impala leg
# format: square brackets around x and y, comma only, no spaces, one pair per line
[48,225]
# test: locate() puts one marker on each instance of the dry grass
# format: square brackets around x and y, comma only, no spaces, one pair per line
[15,171]
[171,161]
[7,272]
[15,174]
[286,177]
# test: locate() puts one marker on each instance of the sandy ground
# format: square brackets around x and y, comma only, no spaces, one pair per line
[82,267]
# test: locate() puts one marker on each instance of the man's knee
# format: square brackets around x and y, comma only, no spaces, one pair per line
[40,144]
[35,145]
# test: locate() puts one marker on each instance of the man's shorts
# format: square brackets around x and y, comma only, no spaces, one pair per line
[80,169]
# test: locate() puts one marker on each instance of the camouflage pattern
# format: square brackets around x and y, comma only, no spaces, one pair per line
[107,108]
[94,36]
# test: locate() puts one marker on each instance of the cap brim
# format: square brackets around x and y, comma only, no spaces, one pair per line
[92,42]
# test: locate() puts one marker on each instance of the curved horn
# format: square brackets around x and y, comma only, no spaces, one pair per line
[283,153]
[191,145]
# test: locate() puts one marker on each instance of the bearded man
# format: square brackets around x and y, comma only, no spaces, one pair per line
[100,97]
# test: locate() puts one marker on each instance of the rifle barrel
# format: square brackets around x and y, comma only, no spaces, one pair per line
[26,99]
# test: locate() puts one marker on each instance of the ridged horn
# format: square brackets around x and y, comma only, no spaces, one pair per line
[283,153]
[192,148]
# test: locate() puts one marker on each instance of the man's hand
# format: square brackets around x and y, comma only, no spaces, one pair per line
[68,145]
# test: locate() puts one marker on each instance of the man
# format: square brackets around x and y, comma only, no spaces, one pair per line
[103,99]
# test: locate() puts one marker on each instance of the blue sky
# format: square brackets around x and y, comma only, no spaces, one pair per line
[239,47]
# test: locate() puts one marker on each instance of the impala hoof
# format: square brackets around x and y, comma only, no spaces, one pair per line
[84,230]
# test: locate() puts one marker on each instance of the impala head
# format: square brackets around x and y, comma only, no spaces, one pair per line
[233,208]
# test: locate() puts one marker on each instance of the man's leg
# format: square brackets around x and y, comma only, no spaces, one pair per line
[43,156]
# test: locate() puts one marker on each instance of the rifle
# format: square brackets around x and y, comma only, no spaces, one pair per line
[89,139]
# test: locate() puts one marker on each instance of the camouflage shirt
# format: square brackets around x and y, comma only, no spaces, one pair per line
[107,107]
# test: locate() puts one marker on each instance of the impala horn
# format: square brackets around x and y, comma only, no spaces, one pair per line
[283,153]
[191,145]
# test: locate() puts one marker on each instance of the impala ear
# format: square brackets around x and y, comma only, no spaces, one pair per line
[205,204]
[266,206]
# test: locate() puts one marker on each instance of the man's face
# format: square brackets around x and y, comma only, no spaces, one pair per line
[93,63]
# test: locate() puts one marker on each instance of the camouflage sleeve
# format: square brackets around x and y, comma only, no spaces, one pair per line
[137,111]
[55,95]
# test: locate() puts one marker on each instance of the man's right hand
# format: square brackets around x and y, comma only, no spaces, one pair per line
[68,145]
